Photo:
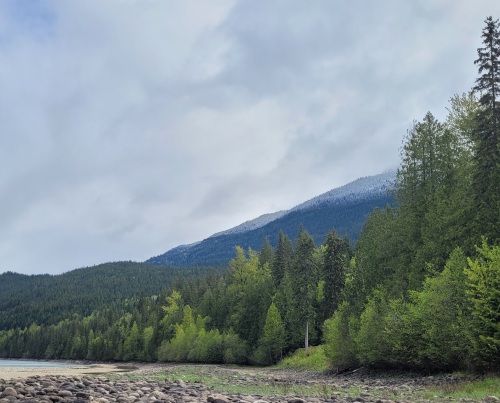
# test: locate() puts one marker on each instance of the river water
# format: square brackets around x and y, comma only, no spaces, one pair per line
[33,364]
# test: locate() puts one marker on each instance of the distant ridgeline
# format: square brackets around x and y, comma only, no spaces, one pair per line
[344,210]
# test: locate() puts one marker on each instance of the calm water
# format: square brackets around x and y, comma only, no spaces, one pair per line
[33,364]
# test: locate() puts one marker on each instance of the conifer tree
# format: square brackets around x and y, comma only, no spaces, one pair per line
[282,258]
[336,260]
[266,254]
[487,135]
[304,278]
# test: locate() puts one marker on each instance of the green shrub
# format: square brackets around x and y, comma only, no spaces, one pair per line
[339,333]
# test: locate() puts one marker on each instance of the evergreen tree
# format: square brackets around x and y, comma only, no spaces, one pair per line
[487,136]
[304,279]
[282,258]
[266,254]
[335,263]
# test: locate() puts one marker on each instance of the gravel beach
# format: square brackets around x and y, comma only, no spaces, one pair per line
[136,383]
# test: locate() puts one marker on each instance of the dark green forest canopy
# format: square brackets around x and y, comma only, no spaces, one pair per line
[48,299]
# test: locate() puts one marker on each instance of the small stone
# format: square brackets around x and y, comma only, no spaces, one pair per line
[296,400]
[9,391]
[83,395]
[217,399]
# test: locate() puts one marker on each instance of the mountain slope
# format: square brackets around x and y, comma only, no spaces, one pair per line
[344,209]
[47,299]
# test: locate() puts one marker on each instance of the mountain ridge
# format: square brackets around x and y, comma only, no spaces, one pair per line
[344,209]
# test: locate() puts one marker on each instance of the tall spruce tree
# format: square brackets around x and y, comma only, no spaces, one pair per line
[305,279]
[266,254]
[282,258]
[336,261]
[487,135]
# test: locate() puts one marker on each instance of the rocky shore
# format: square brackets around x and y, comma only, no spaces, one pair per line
[156,383]
[53,389]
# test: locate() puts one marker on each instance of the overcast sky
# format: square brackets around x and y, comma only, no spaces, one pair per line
[128,127]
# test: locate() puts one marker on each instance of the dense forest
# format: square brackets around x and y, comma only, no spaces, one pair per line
[48,299]
[421,290]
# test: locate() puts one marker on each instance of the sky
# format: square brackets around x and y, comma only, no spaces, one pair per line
[129,127]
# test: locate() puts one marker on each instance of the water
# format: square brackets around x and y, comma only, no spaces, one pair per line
[33,364]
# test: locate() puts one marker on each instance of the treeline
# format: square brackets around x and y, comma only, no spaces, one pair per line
[260,309]
[48,299]
[424,287]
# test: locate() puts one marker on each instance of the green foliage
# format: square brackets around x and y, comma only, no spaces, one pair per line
[266,254]
[442,312]
[312,359]
[304,272]
[31,299]
[371,341]
[282,258]
[339,333]
[487,136]
[250,288]
[273,339]
[483,289]
[182,345]
[333,271]
[235,350]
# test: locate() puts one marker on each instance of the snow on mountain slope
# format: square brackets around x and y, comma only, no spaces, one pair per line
[252,224]
[357,190]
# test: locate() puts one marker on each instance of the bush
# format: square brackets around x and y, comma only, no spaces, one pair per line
[339,333]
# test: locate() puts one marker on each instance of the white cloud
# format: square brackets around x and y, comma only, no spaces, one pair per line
[129,127]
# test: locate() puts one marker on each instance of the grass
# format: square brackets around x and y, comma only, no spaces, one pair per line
[250,381]
[239,382]
[312,359]
[476,390]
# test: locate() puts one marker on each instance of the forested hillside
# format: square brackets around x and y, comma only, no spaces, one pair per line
[420,290]
[48,299]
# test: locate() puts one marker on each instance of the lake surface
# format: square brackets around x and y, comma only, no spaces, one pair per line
[33,364]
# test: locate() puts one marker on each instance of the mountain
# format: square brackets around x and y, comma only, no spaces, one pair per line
[344,209]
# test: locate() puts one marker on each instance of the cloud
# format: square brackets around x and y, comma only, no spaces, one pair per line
[129,127]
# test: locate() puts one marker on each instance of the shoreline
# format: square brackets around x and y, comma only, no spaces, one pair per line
[73,369]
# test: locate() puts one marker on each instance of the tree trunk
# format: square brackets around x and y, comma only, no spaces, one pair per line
[306,341]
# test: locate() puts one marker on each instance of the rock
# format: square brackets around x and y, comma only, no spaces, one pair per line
[296,400]
[9,391]
[217,399]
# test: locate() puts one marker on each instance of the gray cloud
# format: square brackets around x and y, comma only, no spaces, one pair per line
[131,127]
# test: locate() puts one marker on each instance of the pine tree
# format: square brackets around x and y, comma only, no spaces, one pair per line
[336,260]
[487,135]
[266,254]
[304,280]
[282,258]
